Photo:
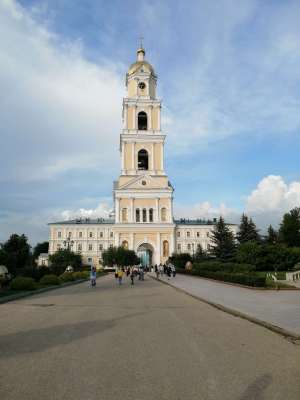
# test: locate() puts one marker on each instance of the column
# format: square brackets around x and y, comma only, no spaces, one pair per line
[131,210]
[158,117]
[150,118]
[152,156]
[123,156]
[134,118]
[171,243]
[162,156]
[125,116]
[157,209]
[117,239]
[158,255]
[133,156]
[131,241]
[117,211]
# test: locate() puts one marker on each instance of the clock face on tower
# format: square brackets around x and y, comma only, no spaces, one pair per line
[142,85]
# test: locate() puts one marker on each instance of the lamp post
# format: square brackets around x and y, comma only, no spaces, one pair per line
[68,243]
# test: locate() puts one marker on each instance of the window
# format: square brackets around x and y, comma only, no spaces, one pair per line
[110,246]
[59,234]
[58,246]
[124,215]
[151,215]
[90,260]
[142,121]
[189,246]
[80,234]
[91,234]
[90,247]
[179,247]
[70,234]
[79,247]
[100,247]
[101,234]
[144,215]
[198,234]
[165,248]
[163,213]
[207,234]
[178,234]
[143,159]
[125,244]
[137,215]
[188,234]
[111,234]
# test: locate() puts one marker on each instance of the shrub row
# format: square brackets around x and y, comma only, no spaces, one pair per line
[231,267]
[240,278]
[26,283]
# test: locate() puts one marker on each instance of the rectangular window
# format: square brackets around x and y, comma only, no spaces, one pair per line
[179,247]
[110,246]
[144,215]
[58,247]
[100,247]
[59,234]
[189,246]
[90,247]
[91,234]
[198,234]
[101,234]
[80,234]
[188,234]
[207,234]
[90,260]
[79,247]
[111,234]
[178,234]
[70,234]
[137,215]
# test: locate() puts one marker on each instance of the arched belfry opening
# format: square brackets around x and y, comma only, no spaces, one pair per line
[142,121]
[143,161]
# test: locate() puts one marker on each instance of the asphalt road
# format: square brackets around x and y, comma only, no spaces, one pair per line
[143,342]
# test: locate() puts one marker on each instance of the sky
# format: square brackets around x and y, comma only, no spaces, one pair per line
[228,76]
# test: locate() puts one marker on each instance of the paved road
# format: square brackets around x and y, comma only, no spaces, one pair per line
[280,308]
[144,342]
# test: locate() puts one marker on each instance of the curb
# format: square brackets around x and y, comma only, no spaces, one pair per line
[18,296]
[294,338]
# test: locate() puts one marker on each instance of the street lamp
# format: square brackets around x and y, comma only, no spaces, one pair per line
[68,243]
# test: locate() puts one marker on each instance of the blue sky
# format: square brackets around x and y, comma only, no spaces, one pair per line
[229,78]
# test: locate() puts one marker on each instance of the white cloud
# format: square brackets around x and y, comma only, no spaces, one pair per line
[102,210]
[204,210]
[58,108]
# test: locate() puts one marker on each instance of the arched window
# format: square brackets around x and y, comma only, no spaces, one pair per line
[142,121]
[137,215]
[144,215]
[163,213]
[125,244]
[151,215]
[165,248]
[124,215]
[143,159]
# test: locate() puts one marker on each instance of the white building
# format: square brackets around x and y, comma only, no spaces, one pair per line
[143,194]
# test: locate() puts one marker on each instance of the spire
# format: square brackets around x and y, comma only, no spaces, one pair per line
[141,51]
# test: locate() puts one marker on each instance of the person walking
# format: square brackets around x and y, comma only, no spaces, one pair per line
[168,271]
[173,270]
[132,276]
[161,270]
[93,276]
[120,276]
[116,273]
[156,271]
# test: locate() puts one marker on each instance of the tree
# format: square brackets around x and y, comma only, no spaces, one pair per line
[16,252]
[223,241]
[180,259]
[42,247]
[247,230]
[200,254]
[272,236]
[289,231]
[120,256]
[60,260]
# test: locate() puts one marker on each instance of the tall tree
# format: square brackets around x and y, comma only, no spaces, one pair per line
[16,251]
[272,236]
[120,256]
[223,241]
[60,260]
[40,248]
[289,231]
[247,230]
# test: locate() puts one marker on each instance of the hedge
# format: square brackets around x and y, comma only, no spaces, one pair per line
[243,279]
[231,267]
[49,280]
[23,283]
[66,277]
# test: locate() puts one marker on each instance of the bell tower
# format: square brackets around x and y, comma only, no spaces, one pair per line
[143,195]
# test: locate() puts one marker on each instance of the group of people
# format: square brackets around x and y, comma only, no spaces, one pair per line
[131,272]
[163,269]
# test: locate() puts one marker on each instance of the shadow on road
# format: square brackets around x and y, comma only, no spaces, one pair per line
[255,391]
[38,340]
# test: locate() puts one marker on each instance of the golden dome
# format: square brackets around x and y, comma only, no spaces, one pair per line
[140,64]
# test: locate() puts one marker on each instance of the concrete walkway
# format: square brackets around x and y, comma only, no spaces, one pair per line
[277,308]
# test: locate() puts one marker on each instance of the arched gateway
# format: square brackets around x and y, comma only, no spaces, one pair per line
[145,253]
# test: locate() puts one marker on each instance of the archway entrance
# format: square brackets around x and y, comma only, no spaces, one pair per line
[145,253]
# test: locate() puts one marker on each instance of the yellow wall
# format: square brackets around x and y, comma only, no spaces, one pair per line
[128,155]
[144,203]
[155,118]
[132,88]
[130,116]
[125,203]
[157,156]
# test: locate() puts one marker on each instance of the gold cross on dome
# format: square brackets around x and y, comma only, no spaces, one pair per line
[141,39]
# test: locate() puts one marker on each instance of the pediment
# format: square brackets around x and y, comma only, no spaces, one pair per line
[143,182]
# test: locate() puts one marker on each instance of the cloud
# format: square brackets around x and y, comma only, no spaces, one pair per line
[58,107]
[102,210]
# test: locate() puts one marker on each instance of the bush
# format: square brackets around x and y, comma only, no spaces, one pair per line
[81,275]
[33,272]
[218,266]
[49,280]
[66,277]
[240,278]
[23,283]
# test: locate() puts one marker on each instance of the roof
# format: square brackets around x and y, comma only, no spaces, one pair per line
[184,221]
[78,221]
[139,64]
